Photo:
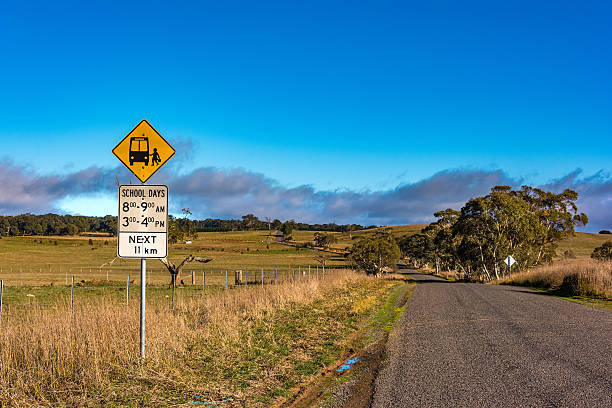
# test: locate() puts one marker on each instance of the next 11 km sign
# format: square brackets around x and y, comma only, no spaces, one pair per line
[143,221]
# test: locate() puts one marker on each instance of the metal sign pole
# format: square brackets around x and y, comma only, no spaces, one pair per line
[143,283]
[173,287]
[1,290]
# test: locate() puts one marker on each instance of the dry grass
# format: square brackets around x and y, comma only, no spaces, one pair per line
[574,277]
[241,345]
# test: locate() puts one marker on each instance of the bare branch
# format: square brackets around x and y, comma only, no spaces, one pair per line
[175,271]
[166,262]
[108,263]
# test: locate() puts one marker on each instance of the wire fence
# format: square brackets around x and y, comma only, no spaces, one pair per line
[61,275]
[194,282]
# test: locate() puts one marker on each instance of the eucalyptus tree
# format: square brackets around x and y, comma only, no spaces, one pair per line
[375,253]
[557,215]
[324,240]
[418,248]
[493,227]
[443,239]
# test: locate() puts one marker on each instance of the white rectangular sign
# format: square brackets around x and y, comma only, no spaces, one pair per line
[510,260]
[143,221]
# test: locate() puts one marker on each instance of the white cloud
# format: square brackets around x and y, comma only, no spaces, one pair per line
[219,193]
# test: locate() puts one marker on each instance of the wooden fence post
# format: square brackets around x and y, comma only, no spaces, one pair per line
[203,282]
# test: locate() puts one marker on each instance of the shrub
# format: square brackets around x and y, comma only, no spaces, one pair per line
[605,232]
[604,252]
[586,283]
[569,254]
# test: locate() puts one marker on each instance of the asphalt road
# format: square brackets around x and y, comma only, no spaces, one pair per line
[473,345]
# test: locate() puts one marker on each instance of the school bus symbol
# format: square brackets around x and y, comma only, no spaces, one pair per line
[139,150]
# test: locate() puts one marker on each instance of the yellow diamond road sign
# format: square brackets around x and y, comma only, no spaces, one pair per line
[143,151]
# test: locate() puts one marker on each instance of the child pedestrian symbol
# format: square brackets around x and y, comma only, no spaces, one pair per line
[155,159]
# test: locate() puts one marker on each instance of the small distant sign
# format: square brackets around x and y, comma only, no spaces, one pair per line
[143,221]
[510,260]
[143,151]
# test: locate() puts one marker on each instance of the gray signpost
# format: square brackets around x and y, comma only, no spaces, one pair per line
[142,225]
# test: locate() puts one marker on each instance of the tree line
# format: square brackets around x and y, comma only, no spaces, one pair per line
[251,222]
[54,224]
[526,224]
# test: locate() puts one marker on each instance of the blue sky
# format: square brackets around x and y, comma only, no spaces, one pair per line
[337,96]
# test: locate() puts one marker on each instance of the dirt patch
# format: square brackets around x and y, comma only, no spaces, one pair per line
[358,393]
[354,388]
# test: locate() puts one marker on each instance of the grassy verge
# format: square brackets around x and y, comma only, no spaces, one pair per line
[252,347]
[354,388]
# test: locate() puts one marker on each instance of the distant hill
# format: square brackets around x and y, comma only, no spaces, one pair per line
[582,244]
[398,230]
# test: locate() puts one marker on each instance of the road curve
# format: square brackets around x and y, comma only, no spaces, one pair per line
[473,345]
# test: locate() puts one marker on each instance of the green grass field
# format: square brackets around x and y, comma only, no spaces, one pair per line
[46,260]
[582,244]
